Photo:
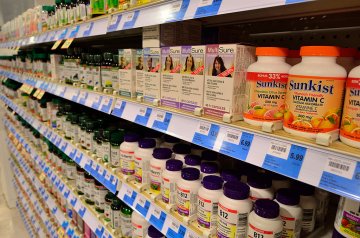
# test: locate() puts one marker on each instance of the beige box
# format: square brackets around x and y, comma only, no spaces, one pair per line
[140,84]
[127,72]
[55,66]
[152,59]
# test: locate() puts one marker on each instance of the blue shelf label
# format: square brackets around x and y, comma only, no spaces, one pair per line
[67,193]
[63,34]
[88,29]
[64,146]
[99,231]
[285,159]
[208,8]
[83,97]
[112,184]
[65,224]
[143,206]
[178,10]
[73,201]
[70,232]
[129,199]
[237,144]
[96,104]
[58,142]
[143,117]
[114,23]
[74,31]
[62,94]
[82,211]
[72,154]
[162,121]
[119,108]
[157,219]
[106,104]
[130,19]
[206,135]
[54,210]
[176,231]
[75,96]
[78,157]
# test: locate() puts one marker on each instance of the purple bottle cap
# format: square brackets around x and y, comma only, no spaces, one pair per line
[261,181]
[229,175]
[336,234]
[131,137]
[209,167]
[192,160]
[162,153]
[190,174]
[236,190]
[213,182]
[266,208]
[147,143]
[154,233]
[181,149]
[288,196]
[171,139]
[209,155]
[174,165]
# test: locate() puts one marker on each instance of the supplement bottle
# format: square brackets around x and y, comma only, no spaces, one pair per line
[115,73]
[89,135]
[89,187]
[209,168]
[106,74]
[180,151]
[308,203]
[152,232]
[126,225]
[89,72]
[109,198]
[193,161]
[70,169]
[290,212]
[347,219]
[260,187]
[157,136]
[208,201]
[68,127]
[230,175]
[187,190]
[266,81]
[293,57]
[319,82]
[157,166]
[323,198]
[265,221]
[139,225]
[116,138]
[350,124]
[97,140]
[234,208]
[74,128]
[99,196]
[82,132]
[127,149]
[116,213]
[96,72]
[142,157]
[347,58]
[170,176]
[105,146]
[196,150]
[169,142]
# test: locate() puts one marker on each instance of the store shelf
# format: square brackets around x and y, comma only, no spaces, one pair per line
[280,152]
[24,219]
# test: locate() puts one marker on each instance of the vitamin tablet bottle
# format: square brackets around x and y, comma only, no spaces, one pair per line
[323,198]
[170,176]
[265,221]
[169,142]
[152,232]
[142,157]
[139,225]
[350,124]
[234,209]
[99,196]
[308,203]
[314,96]
[115,140]
[116,213]
[260,187]
[180,150]
[89,187]
[157,136]
[230,175]
[157,166]
[187,191]
[126,225]
[290,212]
[293,57]
[80,180]
[347,218]
[127,149]
[208,201]
[209,168]
[105,146]
[266,81]
[347,58]
[193,161]
[109,198]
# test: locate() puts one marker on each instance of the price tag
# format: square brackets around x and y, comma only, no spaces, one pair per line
[87,166]
[73,200]
[130,19]
[88,27]
[106,235]
[112,184]
[65,224]
[54,210]
[284,158]
[237,144]
[162,121]
[142,205]
[67,43]
[56,44]
[106,104]
[207,8]
[53,138]
[158,218]
[113,23]
[83,97]
[63,34]
[82,211]
[96,102]
[70,232]
[177,10]
[78,157]
[143,116]
[67,193]
[119,108]
[100,172]
[64,145]
[129,195]
[206,134]
[99,230]
[175,230]
[74,31]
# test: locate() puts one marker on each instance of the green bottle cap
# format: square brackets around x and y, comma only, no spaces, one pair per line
[117,136]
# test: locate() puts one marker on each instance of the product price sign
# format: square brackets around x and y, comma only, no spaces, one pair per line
[74,31]
[82,211]
[72,153]
[88,165]
[73,200]
[53,138]
[83,97]
[284,158]
[207,8]
[70,232]
[66,193]
[177,10]
[113,23]
[130,19]
[64,145]
[99,231]
[106,104]
[106,235]
[119,108]
[162,121]
[101,176]
[65,224]
[175,229]
[127,194]
[143,116]
[342,176]
[63,34]
[78,157]
[206,134]
[236,144]
[142,205]
[157,218]
[111,183]
[58,141]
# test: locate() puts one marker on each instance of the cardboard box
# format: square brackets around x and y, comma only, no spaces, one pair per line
[127,72]
[152,68]
[140,84]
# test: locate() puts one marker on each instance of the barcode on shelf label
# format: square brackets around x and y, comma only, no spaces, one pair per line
[233,137]
[204,128]
[129,16]
[279,150]
[160,116]
[142,111]
[341,167]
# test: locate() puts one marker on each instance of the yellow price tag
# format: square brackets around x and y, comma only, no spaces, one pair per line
[37,93]
[67,43]
[56,45]
[22,88]
[41,94]
[42,177]
[61,232]
[30,89]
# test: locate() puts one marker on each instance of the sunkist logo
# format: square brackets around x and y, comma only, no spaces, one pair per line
[272,84]
[354,92]
[312,86]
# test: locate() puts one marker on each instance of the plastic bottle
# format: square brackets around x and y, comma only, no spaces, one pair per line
[89,187]
[105,146]
[115,73]
[96,72]
[127,149]
[157,166]
[70,169]
[152,232]
[106,74]
[89,135]
[109,198]
[142,157]
[347,219]
[169,142]
[116,213]
[139,225]
[193,161]
[347,58]
[99,196]
[350,124]
[187,189]
[260,187]
[293,57]
[81,10]
[208,201]
[115,140]
[209,168]
[308,203]
[266,81]
[319,81]
[82,133]
[290,212]
[89,72]
[180,150]
[265,221]
[234,209]
[230,175]
[323,198]
[170,176]
[126,225]
[74,128]
[152,134]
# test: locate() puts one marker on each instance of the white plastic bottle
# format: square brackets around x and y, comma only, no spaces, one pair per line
[266,81]
[142,157]
[208,201]
[169,142]
[187,190]
[209,168]
[347,219]
[139,226]
[152,232]
[234,208]
[170,176]
[180,150]
[260,187]
[193,161]
[230,175]
[264,221]
[290,212]
[347,58]
[157,166]
[127,149]
[308,203]
[322,198]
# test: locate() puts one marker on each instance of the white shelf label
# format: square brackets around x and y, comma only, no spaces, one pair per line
[342,167]
[279,150]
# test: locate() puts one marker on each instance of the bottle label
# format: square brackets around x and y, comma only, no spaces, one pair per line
[89,188]
[70,171]
[74,133]
[82,73]
[59,123]
[138,231]
[44,114]
[266,96]
[88,141]
[313,103]
[68,131]
[291,227]
[207,213]
[142,169]
[107,211]
[80,181]
[231,223]
[115,156]
[155,177]
[168,191]
[127,162]
[186,201]
[115,78]
[115,219]
[350,125]
[350,224]
[106,76]
[126,225]
[255,232]
[106,151]
[99,150]
[89,77]
[308,220]
[96,76]
[100,193]
[82,10]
